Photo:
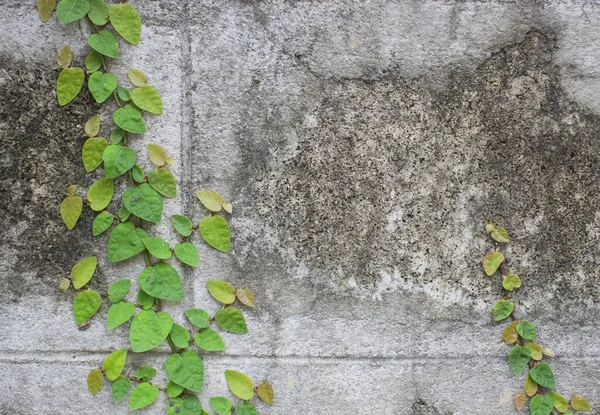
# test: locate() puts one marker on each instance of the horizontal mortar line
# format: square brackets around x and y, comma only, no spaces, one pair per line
[77,356]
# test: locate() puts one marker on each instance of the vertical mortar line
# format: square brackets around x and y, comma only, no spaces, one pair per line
[187,118]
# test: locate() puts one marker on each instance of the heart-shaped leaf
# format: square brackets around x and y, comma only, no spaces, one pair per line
[126,21]
[158,247]
[102,222]
[143,395]
[118,290]
[98,12]
[114,364]
[198,317]
[216,232]
[220,405]
[125,241]
[45,9]
[70,10]
[86,304]
[100,194]
[265,392]
[92,152]
[94,381]
[83,271]
[148,99]
[149,329]
[129,118]
[503,309]
[163,181]
[222,291]
[542,375]
[240,384]
[492,261]
[68,85]
[70,210]
[231,319]
[186,369]
[541,405]
[120,388]
[101,85]
[119,313]
[117,160]
[209,340]
[161,281]
[527,330]
[105,43]
[182,225]
[187,253]
[518,357]
[144,202]
[180,336]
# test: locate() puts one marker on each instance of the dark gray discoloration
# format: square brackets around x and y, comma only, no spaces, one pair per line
[41,157]
[392,178]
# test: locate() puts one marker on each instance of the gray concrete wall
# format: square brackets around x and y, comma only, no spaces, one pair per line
[364,145]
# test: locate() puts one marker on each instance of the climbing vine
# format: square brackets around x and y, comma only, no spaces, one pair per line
[522,336]
[141,205]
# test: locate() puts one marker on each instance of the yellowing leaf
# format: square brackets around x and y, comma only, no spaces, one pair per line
[68,85]
[511,282]
[489,227]
[170,161]
[510,335]
[500,235]
[560,403]
[92,126]
[71,190]
[246,296]
[531,387]
[82,272]
[579,403]
[211,199]
[265,392]
[222,291]
[157,154]
[65,284]
[548,352]
[63,59]
[240,384]
[492,261]
[536,350]
[227,206]
[70,210]
[45,9]
[137,77]
[94,381]
[114,364]
[520,400]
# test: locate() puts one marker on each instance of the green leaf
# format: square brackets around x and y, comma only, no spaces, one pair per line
[157,154]
[93,62]
[98,12]
[148,99]
[120,388]
[126,21]
[527,330]
[187,253]
[94,381]
[124,94]
[211,199]
[163,181]
[222,291]
[118,290]
[231,319]
[138,174]
[503,309]
[215,232]
[198,317]
[221,405]
[180,336]
[174,390]
[143,395]
[102,222]
[158,247]
[63,59]
[511,282]
[100,194]
[123,213]
[182,225]
[186,369]
[129,118]
[101,85]
[542,375]
[137,77]
[492,261]
[70,10]
[68,85]
[240,384]
[86,304]
[105,43]
[246,297]
[161,281]
[518,357]
[560,403]
[541,405]
[145,373]
[499,235]
[70,210]
[82,271]
[117,135]
[125,241]
[149,330]
[45,9]
[209,340]
[92,151]
[265,392]
[186,405]
[114,364]
[245,408]
[144,202]
[145,300]
[119,313]
[579,403]
[117,160]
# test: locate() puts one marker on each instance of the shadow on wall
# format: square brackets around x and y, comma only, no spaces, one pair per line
[391,179]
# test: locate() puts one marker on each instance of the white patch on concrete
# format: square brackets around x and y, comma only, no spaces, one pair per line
[394,220]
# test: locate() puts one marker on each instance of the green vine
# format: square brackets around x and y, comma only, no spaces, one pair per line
[142,204]
[522,336]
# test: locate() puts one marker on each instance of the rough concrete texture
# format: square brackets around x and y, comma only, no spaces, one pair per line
[364,145]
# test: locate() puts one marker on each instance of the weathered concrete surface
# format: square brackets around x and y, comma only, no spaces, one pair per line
[364,145]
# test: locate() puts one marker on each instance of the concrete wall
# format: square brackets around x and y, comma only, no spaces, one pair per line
[364,145]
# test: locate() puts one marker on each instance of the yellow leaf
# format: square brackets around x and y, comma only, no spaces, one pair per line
[530,386]
[170,160]
[520,400]
[137,77]
[92,126]
[157,154]
[265,392]
[65,284]
[227,207]
[63,59]
[70,210]
[492,261]
[45,9]
[246,296]
[94,381]
[579,403]
[536,350]
[212,200]
[71,190]
[510,335]
[548,352]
